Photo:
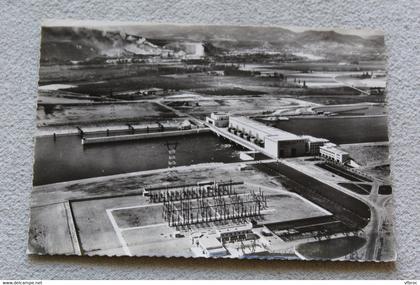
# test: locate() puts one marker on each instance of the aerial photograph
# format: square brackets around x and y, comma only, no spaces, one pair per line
[211,141]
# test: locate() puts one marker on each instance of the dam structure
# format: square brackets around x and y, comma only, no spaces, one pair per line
[270,141]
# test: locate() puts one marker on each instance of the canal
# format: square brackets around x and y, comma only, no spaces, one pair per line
[66,159]
[338,130]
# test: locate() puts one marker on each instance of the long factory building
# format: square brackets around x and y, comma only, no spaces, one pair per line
[276,142]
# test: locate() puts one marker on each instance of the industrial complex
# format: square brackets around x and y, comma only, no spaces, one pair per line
[232,218]
[275,142]
[210,144]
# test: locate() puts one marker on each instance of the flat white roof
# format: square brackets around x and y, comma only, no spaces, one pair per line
[232,229]
[333,149]
[210,242]
[270,132]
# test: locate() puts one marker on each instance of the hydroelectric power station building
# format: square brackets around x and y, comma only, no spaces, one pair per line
[276,142]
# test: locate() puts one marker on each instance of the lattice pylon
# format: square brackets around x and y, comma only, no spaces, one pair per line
[171,159]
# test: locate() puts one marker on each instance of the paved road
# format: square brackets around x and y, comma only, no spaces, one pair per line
[351,86]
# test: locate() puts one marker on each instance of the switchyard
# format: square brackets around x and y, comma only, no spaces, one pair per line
[203,189]
[185,205]
[180,218]
[215,209]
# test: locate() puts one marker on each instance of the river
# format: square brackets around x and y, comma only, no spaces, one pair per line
[338,130]
[66,159]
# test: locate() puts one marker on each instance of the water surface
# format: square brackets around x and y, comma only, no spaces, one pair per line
[338,130]
[66,159]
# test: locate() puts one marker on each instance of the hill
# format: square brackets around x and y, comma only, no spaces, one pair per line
[64,44]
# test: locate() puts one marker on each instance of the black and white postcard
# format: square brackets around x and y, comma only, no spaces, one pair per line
[211,141]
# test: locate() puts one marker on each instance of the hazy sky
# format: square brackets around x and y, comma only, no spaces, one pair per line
[357,32]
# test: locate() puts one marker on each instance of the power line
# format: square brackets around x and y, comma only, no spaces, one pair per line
[171,146]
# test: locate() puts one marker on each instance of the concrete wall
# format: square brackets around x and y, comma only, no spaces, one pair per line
[291,148]
[110,139]
[280,148]
[272,147]
[237,124]
[217,122]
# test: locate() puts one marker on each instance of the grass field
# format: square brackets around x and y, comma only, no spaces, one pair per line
[95,229]
[338,98]
[286,208]
[157,241]
[374,158]
[135,83]
[330,249]
[140,216]
[365,154]
[92,72]
[353,110]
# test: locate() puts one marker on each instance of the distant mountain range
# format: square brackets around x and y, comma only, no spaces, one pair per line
[69,44]
[63,44]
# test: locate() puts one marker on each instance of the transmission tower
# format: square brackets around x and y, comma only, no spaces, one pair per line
[171,146]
